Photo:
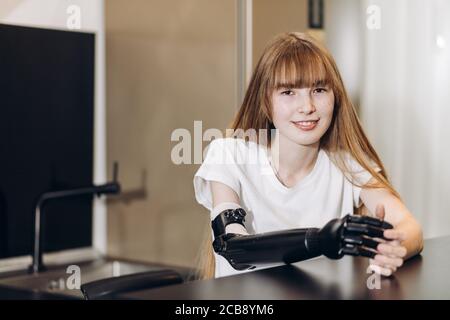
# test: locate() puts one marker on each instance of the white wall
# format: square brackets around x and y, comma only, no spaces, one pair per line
[53,14]
[405,101]
[398,76]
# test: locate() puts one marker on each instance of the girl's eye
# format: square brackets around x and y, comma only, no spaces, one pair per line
[287,92]
[320,90]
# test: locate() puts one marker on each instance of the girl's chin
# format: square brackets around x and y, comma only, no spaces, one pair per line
[306,138]
[305,141]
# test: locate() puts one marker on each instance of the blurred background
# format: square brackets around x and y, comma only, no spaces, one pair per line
[163,64]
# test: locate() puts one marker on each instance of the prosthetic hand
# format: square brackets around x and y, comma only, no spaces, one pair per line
[351,235]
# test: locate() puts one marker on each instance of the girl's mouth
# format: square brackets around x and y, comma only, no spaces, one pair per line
[306,125]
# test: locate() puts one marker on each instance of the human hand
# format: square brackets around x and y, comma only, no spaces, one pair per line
[390,253]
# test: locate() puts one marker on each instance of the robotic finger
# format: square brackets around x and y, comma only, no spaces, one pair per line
[358,251]
[370,221]
[360,241]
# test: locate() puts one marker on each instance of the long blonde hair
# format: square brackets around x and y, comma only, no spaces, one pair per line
[297,60]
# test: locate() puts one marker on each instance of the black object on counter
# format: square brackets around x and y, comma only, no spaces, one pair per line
[107,288]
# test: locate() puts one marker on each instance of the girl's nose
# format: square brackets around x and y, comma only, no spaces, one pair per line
[305,105]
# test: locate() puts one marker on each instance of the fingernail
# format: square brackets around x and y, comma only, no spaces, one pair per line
[387,272]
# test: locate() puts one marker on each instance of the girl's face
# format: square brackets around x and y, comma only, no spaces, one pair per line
[303,115]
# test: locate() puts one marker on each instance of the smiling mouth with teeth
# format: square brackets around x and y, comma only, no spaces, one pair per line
[306,125]
[306,122]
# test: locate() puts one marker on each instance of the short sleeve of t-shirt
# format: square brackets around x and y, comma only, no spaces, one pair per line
[360,177]
[219,165]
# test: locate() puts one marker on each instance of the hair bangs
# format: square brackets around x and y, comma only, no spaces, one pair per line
[300,67]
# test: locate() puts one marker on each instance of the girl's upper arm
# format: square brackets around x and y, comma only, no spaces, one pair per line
[223,193]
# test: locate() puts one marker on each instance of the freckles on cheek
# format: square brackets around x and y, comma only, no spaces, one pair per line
[330,104]
[281,111]
[281,116]
[326,107]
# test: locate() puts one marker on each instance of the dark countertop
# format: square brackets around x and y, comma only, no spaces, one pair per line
[17,294]
[422,277]
[20,285]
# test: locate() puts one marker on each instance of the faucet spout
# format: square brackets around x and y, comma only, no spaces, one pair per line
[107,188]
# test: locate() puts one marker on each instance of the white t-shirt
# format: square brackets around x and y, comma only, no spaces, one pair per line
[322,195]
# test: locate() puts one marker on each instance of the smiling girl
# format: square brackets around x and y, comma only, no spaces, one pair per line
[321,164]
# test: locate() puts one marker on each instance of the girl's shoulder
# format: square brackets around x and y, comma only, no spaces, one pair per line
[225,143]
[342,157]
[236,148]
[228,142]
[348,164]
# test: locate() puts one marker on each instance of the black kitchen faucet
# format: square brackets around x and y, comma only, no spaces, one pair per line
[107,188]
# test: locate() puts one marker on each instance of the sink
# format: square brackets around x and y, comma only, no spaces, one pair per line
[56,279]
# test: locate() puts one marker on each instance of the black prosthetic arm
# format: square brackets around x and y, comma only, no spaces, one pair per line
[249,251]
[352,235]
